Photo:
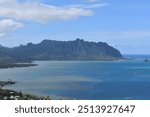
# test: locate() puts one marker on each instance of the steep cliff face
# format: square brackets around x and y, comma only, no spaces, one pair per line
[4,54]
[65,50]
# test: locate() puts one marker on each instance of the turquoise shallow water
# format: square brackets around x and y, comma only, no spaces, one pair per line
[83,79]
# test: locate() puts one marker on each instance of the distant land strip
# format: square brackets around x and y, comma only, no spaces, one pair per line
[59,50]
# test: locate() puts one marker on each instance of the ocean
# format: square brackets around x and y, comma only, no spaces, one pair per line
[88,80]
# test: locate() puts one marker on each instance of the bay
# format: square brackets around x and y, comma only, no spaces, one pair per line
[97,80]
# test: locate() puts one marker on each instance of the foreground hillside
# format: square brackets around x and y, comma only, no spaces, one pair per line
[62,50]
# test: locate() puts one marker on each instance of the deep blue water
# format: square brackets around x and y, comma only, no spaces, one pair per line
[126,79]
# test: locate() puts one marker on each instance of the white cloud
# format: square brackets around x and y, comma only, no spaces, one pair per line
[92,6]
[8,25]
[39,12]
[4,1]
[12,11]
[125,34]
[91,0]
[2,34]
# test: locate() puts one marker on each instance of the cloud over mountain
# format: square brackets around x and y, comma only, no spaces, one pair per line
[40,12]
[8,25]
[12,12]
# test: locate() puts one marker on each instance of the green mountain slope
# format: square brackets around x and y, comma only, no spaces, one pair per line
[63,50]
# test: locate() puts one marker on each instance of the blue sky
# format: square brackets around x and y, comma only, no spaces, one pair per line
[121,23]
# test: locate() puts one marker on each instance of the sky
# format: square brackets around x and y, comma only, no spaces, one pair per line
[123,24]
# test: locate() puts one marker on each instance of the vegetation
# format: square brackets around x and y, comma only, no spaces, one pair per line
[50,50]
[9,82]
[12,65]
[61,50]
[6,94]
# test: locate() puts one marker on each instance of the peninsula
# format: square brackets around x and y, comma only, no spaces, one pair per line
[23,55]
[61,50]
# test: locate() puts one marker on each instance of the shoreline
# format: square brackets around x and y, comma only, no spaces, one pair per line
[6,65]
[16,65]
[9,94]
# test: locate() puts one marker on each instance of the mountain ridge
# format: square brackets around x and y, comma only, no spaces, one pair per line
[63,50]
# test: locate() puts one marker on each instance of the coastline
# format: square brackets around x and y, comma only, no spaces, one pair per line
[8,94]
[11,94]
[48,81]
[15,65]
